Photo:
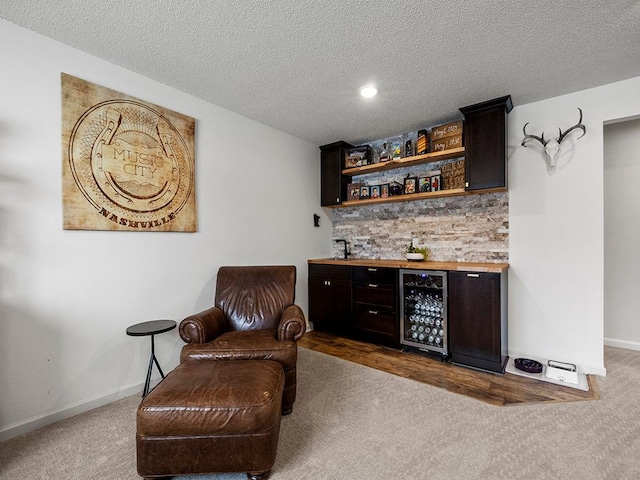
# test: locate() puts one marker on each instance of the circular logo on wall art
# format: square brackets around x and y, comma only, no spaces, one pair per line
[130,163]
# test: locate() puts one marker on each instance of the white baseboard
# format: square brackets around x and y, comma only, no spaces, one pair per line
[43,420]
[612,342]
[601,371]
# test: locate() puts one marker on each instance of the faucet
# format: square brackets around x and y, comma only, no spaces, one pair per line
[346,247]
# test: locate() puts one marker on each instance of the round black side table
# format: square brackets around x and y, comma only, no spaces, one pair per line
[151,328]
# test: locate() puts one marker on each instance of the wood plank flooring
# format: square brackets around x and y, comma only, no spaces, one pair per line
[500,390]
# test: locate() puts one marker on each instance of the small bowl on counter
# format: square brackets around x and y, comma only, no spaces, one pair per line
[415,257]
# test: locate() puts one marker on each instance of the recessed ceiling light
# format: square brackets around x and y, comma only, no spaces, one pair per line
[368,91]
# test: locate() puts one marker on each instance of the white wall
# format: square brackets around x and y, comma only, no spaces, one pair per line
[66,297]
[556,252]
[621,234]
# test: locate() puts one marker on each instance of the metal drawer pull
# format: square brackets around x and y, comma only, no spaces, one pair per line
[474,275]
[373,285]
[372,269]
[373,312]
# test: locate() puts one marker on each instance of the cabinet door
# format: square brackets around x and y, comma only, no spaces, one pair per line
[485,141]
[477,329]
[330,305]
[333,186]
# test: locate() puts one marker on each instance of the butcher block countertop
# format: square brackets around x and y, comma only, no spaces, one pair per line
[428,265]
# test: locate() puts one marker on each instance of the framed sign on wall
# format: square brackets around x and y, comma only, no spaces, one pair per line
[127,164]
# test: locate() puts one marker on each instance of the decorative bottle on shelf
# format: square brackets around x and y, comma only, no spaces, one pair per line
[396,149]
[408,150]
[384,153]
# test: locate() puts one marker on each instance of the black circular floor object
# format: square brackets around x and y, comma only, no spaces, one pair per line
[528,365]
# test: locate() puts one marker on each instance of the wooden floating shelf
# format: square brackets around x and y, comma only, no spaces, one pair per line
[410,197]
[407,197]
[404,162]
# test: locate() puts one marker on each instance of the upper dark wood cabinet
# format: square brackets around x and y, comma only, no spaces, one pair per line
[485,142]
[333,185]
[478,320]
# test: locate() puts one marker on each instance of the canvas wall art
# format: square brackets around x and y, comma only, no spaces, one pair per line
[127,164]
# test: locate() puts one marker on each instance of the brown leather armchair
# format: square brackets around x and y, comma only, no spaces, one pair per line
[253,317]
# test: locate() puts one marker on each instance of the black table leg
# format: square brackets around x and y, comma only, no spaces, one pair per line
[152,360]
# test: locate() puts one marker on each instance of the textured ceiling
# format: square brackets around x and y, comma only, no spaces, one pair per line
[297,65]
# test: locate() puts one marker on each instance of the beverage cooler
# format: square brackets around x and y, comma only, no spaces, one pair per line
[423,310]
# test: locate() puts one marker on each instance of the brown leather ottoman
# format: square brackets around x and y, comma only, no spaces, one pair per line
[210,417]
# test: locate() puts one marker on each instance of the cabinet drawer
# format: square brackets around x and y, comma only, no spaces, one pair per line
[376,321]
[387,276]
[375,294]
[333,272]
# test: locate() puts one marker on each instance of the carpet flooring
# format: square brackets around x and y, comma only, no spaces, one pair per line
[354,422]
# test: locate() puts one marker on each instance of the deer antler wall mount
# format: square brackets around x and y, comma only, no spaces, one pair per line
[552,146]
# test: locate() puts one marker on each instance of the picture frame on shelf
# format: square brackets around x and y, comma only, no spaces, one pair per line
[351,162]
[358,157]
[353,191]
[436,182]
[424,184]
[375,191]
[410,185]
[365,192]
[384,190]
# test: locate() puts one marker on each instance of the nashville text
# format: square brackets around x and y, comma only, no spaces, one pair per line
[135,224]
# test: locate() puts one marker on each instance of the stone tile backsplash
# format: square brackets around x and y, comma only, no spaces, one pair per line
[470,228]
